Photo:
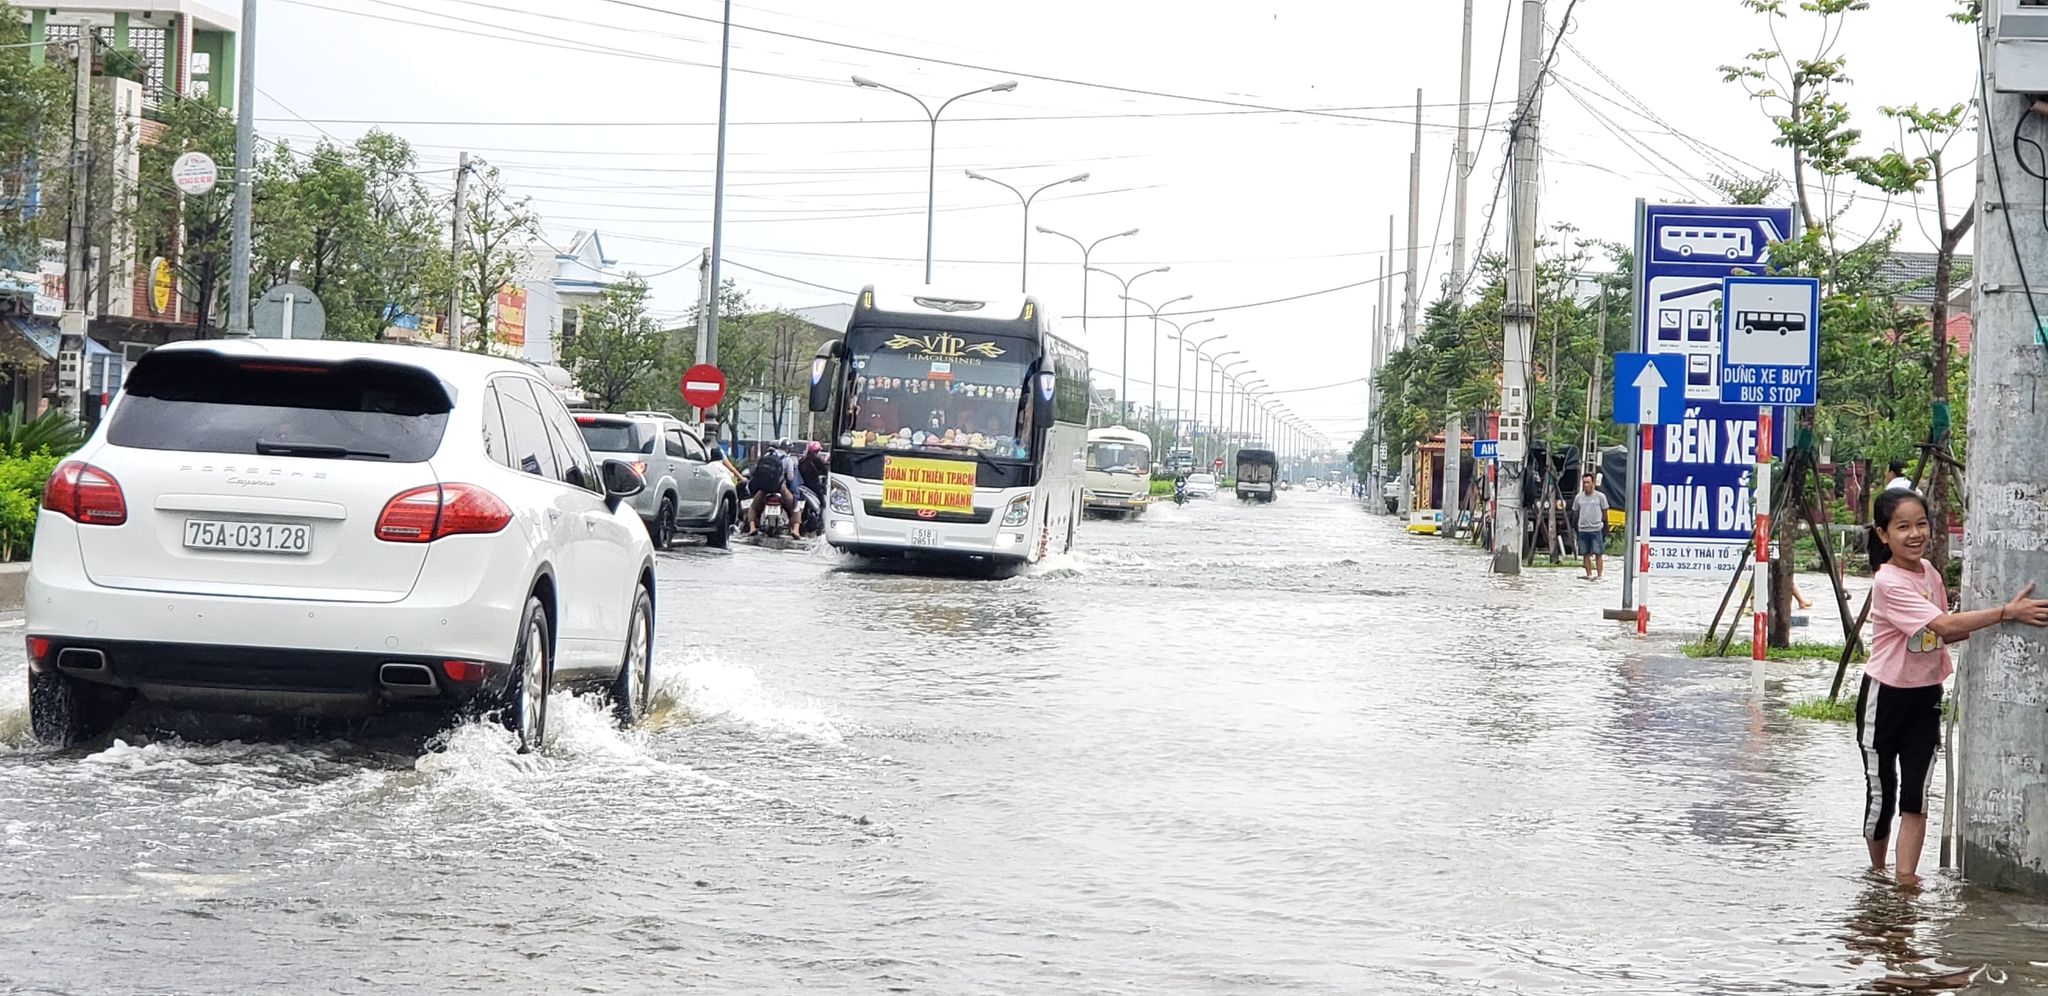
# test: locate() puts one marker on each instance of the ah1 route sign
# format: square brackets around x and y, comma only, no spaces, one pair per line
[1649,388]
[1770,338]
[1486,449]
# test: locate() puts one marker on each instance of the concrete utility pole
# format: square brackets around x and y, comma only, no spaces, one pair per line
[1411,292]
[710,313]
[1461,165]
[2002,788]
[1454,458]
[1519,313]
[239,244]
[703,305]
[77,251]
[454,329]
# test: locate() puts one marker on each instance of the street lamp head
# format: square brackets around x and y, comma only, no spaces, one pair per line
[1199,321]
[1183,297]
[864,81]
[975,175]
[1077,178]
[1131,231]
[1004,87]
[1042,230]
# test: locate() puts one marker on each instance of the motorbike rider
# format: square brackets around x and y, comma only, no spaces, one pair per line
[1180,489]
[813,468]
[769,481]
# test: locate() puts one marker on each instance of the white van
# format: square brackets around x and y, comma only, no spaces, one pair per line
[1118,481]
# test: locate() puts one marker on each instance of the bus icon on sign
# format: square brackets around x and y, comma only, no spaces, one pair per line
[1726,243]
[1781,322]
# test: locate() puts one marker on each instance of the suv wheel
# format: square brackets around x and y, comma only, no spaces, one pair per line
[721,527]
[63,711]
[533,675]
[633,689]
[665,524]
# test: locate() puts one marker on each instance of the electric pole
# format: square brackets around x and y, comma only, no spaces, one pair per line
[1518,315]
[77,255]
[455,252]
[1461,166]
[2002,790]
[1411,293]
[239,247]
[703,306]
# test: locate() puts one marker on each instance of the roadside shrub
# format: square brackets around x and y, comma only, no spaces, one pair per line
[21,494]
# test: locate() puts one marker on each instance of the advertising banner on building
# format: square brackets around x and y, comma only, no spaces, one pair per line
[511,322]
[1700,519]
[49,302]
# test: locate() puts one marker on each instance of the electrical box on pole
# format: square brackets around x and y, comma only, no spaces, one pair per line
[2019,47]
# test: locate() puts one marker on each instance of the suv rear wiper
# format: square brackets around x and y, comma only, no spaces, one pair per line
[270,447]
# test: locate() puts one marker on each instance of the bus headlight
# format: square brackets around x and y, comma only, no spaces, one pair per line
[1018,513]
[839,498]
[1086,494]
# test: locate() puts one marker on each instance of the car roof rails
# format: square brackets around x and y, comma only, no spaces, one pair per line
[654,414]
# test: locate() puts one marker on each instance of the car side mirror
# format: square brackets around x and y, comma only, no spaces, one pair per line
[621,481]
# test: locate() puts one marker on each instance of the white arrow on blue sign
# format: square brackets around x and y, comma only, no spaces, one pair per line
[1649,388]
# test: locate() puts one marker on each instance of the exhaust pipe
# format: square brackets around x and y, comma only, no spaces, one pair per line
[81,659]
[407,680]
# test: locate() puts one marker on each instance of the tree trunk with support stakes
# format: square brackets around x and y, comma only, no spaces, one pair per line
[1944,274]
[1785,535]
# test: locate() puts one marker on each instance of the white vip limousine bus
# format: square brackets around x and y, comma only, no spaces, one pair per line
[959,427]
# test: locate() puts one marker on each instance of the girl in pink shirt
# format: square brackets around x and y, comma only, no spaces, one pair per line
[1898,708]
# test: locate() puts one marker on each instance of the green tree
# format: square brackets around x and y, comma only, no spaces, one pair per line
[498,229]
[354,225]
[34,129]
[617,349]
[1796,93]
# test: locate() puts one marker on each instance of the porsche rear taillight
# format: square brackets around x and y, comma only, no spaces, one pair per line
[85,494]
[425,514]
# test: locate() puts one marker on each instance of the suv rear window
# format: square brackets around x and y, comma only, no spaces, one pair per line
[202,401]
[604,436]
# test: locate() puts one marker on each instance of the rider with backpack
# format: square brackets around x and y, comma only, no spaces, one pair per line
[768,479]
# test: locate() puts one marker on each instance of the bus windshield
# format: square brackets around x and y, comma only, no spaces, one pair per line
[1129,458]
[939,393]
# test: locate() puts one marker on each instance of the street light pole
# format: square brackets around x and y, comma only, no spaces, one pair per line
[1180,336]
[1208,441]
[932,170]
[1024,281]
[1123,397]
[1087,249]
[1155,351]
[1225,378]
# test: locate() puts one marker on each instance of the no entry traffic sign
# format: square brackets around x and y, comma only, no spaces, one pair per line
[703,385]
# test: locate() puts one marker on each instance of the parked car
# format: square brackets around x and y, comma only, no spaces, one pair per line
[1202,485]
[686,491]
[304,527]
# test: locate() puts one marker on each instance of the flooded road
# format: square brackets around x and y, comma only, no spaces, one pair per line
[1225,749]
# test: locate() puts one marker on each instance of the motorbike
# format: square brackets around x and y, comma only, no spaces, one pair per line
[1180,492]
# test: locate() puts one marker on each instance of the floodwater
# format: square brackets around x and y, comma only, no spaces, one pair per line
[1224,749]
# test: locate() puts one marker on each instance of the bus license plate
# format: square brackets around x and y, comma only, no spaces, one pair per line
[248,537]
[923,537]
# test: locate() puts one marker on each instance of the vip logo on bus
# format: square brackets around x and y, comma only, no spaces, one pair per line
[943,345]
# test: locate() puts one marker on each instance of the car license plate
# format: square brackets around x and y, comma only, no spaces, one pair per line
[922,537]
[248,537]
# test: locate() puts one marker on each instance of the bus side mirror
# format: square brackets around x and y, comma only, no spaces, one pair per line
[821,372]
[1041,398]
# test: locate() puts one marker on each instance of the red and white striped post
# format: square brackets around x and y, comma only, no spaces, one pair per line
[1643,517]
[1759,629]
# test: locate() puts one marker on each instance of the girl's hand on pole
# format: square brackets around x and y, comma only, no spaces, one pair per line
[2032,611]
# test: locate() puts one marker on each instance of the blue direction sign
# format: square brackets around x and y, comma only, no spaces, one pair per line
[1700,469]
[1649,388]
[1770,338]
[1485,449]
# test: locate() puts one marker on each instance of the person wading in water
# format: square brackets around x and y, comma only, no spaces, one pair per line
[1898,707]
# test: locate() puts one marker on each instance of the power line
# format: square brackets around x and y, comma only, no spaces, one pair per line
[1135,91]
[1260,304]
[836,290]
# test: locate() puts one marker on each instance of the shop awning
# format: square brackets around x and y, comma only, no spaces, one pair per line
[38,332]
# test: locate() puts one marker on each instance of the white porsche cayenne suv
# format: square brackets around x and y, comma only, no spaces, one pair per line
[321,528]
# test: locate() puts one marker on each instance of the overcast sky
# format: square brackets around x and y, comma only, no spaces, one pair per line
[602,112]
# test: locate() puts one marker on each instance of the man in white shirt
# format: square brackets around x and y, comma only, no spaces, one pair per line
[1899,479]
